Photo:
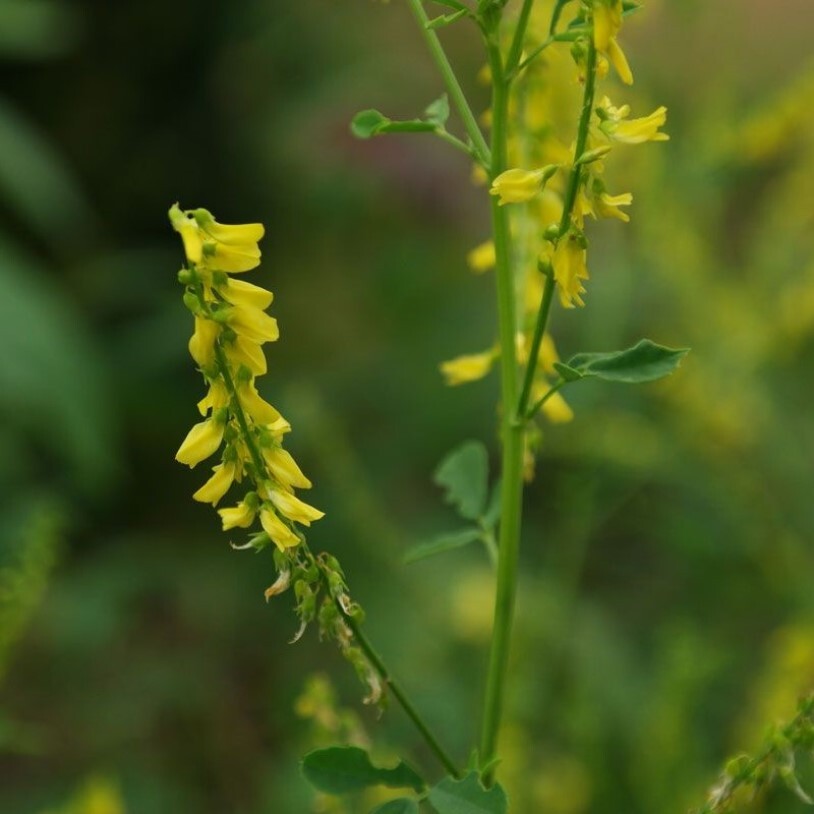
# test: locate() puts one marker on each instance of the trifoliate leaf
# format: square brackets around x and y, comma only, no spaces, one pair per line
[467,796]
[346,769]
[644,362]
[464,474]
[444,542]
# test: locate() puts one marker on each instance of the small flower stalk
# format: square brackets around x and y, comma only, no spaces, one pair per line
[231,327]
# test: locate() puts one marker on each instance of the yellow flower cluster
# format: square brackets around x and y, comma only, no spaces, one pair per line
[544,236]
[231,326]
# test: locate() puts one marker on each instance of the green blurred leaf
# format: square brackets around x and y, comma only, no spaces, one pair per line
[644,362]
[38,185]
[367,123]
[446,19]
[437,112]
[568,374]
[345,769]
[51,376]
[444,542]
[467,796]
[37,29]
[464,473]
[401,806]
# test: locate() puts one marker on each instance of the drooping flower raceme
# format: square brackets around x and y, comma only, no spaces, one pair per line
[231,326]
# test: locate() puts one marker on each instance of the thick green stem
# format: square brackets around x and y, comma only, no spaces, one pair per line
[451,81]
[511,436]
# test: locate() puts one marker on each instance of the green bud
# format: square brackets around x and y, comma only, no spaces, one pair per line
[192,302]
[187,276]
[552,232]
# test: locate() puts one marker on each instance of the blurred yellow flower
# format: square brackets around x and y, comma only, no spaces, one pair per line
[570,269]
[468,368]
[519,186]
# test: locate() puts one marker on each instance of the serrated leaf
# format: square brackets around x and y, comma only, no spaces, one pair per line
[444,542]
[567,374]
[467,796]
[464,474]
[346,769]
[401,806]
[445,19]
[644,362]
[437,112]
[367,123]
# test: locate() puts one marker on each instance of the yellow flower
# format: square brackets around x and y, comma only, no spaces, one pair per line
[617,127]
[254,324]
[217,246]
[519,186]
[468,368]
[283,466]
[293,508]
[619,60]
[216,397]
[258,408]
[202,441]
[607,22]
[240,516]
[218,485]
[282,536]
[202,342]
[239,292]
[482,257]
[607,206]
[243,351]
[570,269]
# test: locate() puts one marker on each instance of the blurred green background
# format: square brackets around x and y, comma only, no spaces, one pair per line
[666,608]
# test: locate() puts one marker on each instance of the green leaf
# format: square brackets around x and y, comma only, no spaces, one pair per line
[467,796]
[567,374]
[492,514]
[444,542]
[464,474]
[446,19]
[437,112]
[345,769]
[367,123]
[644,362]
[401,806]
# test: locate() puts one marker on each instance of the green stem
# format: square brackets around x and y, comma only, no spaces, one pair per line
[367,647]
[537,339]
[451,81]
[534,54]
[458,144]
[395,688]
[516,48]
[555,15]
[540,402]
[511,435]
[582,138]
[571,190]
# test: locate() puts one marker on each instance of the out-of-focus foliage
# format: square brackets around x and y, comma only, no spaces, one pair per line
[665,610]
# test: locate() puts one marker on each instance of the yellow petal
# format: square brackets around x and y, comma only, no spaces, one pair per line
[293,508]
[260,410]
[239,292]
[202,342]
[202,441]
[482,257]
[240,516]
[216,397]
[619,60]
[282,536]
[467,368]
[218,485]
[244,351]
[285,468]
[254,324]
